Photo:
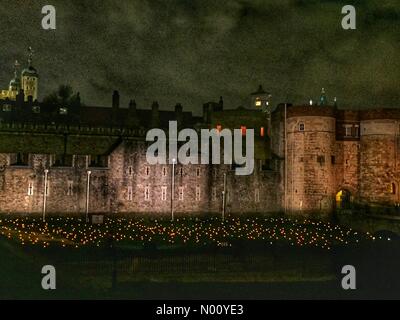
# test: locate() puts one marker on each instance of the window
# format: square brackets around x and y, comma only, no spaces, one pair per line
[147,193]
[19,159]
[70,190]
[348,131]
[36,109]
[258,102]
[198,193]
[98,161]
[214,194]
[392,188]
[321,160]
[262,131]
[30,188]
[129,194]
[265,165]
[257,195]
[356,130]
[198,172]
[333,160]
[180,193]
[243,130]
[164,171]
[130,170]
[164,193]
[147,171]
[63,110]
[62,160]
[301,126]
[181,172]
[219,127]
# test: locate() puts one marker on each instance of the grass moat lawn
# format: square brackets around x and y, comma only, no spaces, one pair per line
[187,258]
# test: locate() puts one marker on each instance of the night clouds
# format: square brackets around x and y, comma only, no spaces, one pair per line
[194,51]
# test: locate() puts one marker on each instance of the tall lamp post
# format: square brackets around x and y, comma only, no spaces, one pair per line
[172,188]
[46,173]
[224,198]
[88,194]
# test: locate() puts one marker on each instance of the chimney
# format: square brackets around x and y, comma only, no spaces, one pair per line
[155,116]
[132,115]
[115,100]
[132,105]
[179,114]
[207,107]
[221,104]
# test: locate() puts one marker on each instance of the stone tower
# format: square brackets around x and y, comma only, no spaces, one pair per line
[310,148]
[30,79]
[379,161]
[260,99]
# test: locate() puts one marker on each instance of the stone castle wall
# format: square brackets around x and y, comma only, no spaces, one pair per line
[123,185]
[320,161]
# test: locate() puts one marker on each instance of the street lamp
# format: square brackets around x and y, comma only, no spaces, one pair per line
[224,198]
[88,194]
[46,172]
[172,188]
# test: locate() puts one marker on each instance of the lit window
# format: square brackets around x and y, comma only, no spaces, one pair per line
[197,193]
[262,131]
[301,126]
[63,110]
[164,193]
[180,193]
[348,131]
[70,191]
[243,130]
[129,194]
[258,102]
[30,189]
[392,188]
[147,193]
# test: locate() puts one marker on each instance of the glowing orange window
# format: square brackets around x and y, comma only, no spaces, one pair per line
[243,128]
[262,132]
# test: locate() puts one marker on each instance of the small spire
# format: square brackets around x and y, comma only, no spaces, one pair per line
[323,100]
[16,67]
[30,55]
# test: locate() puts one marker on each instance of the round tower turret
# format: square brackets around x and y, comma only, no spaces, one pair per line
[310,148]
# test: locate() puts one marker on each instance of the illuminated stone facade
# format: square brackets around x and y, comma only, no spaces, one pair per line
[96,162]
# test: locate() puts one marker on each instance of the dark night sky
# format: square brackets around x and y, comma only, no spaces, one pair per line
[194,51]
